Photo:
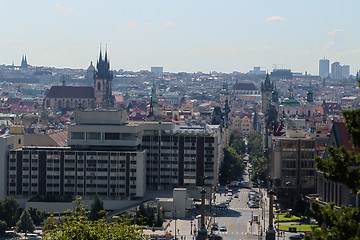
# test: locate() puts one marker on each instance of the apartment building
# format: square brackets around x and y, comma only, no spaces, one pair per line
[64,171]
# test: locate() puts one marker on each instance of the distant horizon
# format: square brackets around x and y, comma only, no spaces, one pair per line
[182,35]
[127,70]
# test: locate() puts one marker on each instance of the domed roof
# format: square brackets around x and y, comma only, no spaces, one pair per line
[91,67]
[290,102]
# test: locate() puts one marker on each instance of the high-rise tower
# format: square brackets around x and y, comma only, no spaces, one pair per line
[324,68]
[102,83]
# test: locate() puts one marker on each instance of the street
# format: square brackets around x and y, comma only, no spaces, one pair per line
[237,217]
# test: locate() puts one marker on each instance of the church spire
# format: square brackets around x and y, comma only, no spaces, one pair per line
[24,61]
[103,66]
[267,84]
[106,60]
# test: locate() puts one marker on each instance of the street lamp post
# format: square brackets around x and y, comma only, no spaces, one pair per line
[202,233]
[278,221]
[270,234]
[191,221]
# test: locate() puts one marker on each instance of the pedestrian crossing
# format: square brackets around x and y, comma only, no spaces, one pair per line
[245,209]
[232,233]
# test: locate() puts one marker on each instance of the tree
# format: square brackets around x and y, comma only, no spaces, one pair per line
[97,209]
[237,142]
[232,167]
[3,227]
[158,220]
[259,170]
[141,217]
[8,209]
[75,225]
[342,167]
[25,223]
[255,148]
[36,215]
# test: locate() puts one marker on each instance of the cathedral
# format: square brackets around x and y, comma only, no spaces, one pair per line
[67,98]
[24,63]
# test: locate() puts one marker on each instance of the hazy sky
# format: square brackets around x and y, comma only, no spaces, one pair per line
[182,35]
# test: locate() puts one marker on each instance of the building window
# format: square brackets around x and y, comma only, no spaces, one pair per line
[99,86]
[112,136]
[94,136]
[77,135]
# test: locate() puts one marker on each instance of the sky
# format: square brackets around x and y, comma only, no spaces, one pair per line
[182,35]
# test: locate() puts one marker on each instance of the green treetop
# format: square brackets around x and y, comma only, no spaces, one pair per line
[25,223]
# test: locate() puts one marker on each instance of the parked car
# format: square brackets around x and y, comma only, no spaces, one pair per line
[253,192]
[223,229]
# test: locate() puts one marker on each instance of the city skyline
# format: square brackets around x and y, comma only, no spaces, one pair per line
[181,36]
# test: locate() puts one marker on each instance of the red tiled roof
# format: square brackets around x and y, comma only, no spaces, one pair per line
[60,138]
[244,86]
[70,92]
[119,98]
[29,104]
[4,109]
[13,101]
[344,135]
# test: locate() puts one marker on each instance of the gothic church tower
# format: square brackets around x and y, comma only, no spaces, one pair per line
[266,93]
[102,83]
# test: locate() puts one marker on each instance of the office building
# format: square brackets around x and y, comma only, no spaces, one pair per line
[340,72]
[292,165]
[117,159]
[6,144]
[324,68]
[346,71]
[157,70]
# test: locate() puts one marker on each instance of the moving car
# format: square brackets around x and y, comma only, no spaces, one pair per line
[254,205]
[223,229]
[297,236]
[236,195]
[228,198]
[222,205]
[214,227]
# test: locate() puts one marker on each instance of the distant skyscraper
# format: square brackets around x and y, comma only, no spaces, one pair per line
[324,68]
[345,71]
[157,70]
[336,70]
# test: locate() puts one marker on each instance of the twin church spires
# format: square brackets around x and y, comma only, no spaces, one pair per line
[103,82]
[103,66]
[24,63]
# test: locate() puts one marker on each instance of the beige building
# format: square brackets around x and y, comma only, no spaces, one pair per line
[246,125]
[292,165]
